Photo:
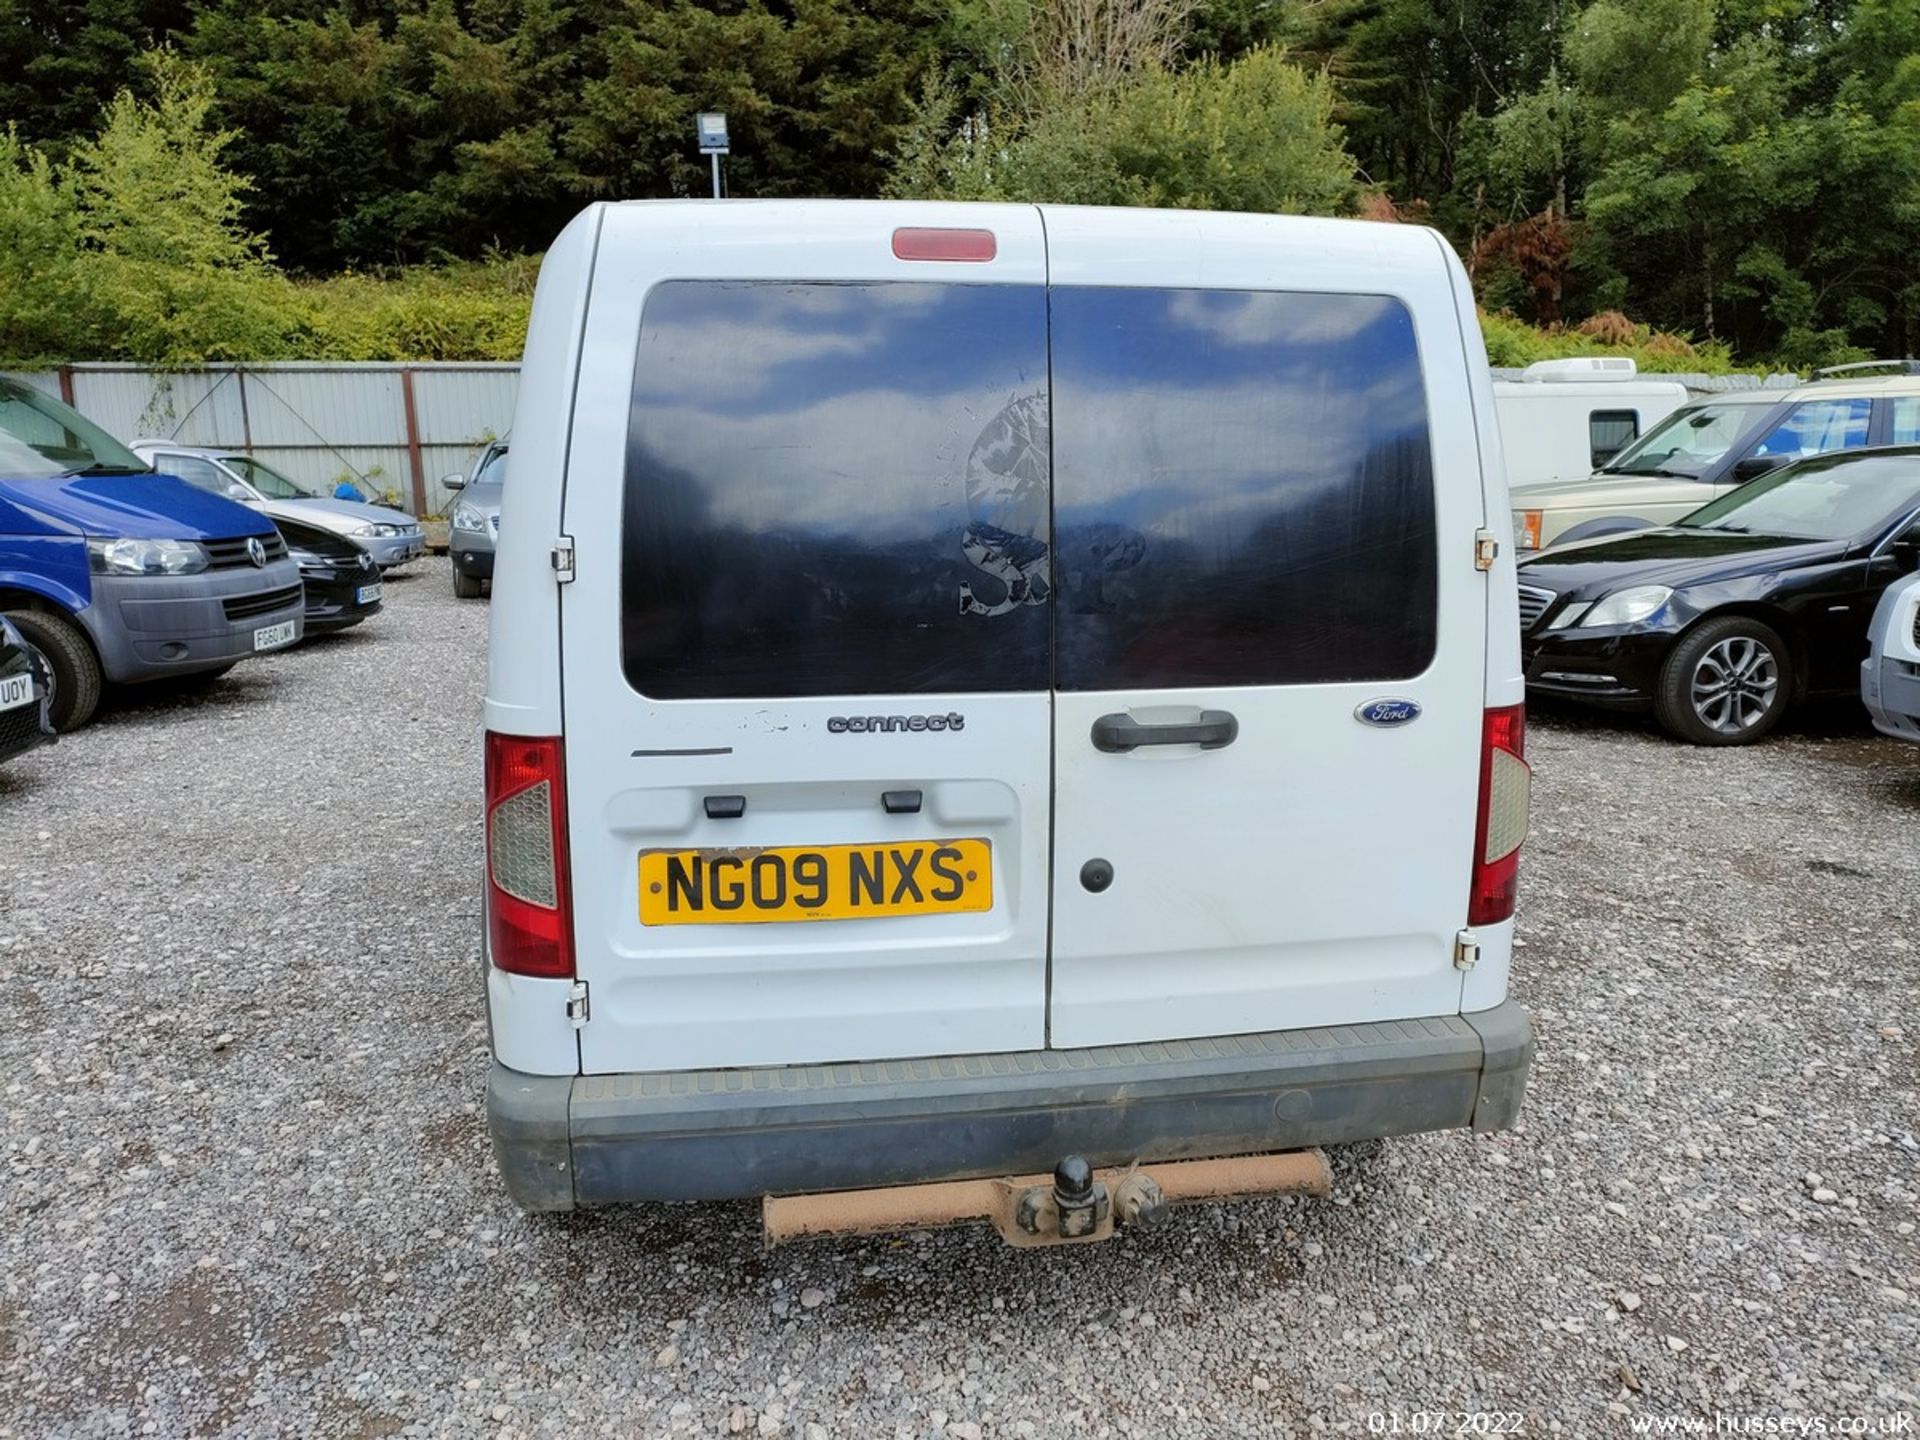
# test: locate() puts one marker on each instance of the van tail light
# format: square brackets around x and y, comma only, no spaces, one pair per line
[928,243]
[1506,785]
[529,899]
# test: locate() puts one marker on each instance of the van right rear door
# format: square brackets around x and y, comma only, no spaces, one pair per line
[1267,490]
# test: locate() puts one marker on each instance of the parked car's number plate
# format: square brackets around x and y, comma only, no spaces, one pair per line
[272,637]
[15,691]
[815,882]
[367,594]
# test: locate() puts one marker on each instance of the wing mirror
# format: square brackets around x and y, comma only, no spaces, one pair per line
[1754,466]
[455,481]
[1906,552]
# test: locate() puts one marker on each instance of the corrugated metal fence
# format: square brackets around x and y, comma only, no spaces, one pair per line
[392,429]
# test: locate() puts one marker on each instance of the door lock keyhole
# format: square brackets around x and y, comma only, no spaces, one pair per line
[1096,875]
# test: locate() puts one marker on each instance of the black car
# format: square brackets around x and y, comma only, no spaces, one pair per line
[342,580]
[25,692]
[1722,620]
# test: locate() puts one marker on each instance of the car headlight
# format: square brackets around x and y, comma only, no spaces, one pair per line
[1628,607]
[386,531]
[1526,529]
[146,557]
[307,560]
[465,517]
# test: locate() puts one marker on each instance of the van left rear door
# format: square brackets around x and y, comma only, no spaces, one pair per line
[806,656]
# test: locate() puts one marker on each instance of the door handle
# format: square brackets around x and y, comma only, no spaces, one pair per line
[1119,733]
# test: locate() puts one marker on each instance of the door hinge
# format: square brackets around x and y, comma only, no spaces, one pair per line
[1486,547]
[578,1012]
[563,559]
[1466,950]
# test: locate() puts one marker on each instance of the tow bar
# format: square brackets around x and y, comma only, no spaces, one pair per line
[1077,1205]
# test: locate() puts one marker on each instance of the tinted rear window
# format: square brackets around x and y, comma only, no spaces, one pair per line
[1243,489]
[837,489]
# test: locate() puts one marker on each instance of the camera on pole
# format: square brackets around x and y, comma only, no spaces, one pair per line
[711,128]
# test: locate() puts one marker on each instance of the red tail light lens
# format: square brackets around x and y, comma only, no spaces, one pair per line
[529,900]
[1506,785]
[920,243]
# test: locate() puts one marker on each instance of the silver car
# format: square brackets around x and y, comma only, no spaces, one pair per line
[1890,675]
[392,537]
[476,520]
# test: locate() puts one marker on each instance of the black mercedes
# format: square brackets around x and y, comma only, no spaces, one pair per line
[25,684]
[342,580]
[1722,620]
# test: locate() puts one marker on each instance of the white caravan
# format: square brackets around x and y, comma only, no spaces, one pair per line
[1564,419]
[983,688]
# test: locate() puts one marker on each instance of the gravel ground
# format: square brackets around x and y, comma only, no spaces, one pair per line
[247,1188]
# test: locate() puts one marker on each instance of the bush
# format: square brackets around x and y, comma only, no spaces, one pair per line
[1512,342]
[472,311]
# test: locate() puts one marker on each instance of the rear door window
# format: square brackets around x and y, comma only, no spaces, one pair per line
[1905,426]
[837,489]
[1243,489]
[1815,427]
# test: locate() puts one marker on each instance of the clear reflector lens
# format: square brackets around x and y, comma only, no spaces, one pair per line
[1507,803]
[520,846]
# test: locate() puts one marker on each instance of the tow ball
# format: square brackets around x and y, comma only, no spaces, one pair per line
[1079,1206]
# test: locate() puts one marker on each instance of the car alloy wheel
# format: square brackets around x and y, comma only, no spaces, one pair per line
[1734,685]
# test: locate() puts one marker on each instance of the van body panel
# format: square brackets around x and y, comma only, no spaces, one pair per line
[775,333]
[524,699]
[527,1019]
[1314,871]
[1506,669]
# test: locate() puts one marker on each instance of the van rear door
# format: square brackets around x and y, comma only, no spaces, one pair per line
[1266,492]
[806,655]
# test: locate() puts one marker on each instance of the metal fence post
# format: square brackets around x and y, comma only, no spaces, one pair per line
[414,462]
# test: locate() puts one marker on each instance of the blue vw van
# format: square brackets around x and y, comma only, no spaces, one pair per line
[115,575]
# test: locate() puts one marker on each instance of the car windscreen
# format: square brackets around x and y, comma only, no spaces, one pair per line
[40,439]
[1821,500]
[264,478]
[1689,440]
[493,469]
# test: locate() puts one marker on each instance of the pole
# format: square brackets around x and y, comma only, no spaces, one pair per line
[416,468]
[716,174]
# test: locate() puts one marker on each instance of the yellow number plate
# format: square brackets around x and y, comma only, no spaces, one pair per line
[815,882]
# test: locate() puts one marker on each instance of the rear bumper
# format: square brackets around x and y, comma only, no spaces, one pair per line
[564,1141]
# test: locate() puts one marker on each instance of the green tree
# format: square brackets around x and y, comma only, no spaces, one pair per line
[164,270]
[1086,102]
[38,249]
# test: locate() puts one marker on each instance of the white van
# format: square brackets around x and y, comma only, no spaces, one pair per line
[1564,419]
[978,685]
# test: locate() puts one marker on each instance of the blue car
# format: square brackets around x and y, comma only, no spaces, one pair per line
[114,575]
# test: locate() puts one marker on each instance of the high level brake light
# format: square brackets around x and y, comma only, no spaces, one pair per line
[529,899]
[913,242]
[1506,785]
